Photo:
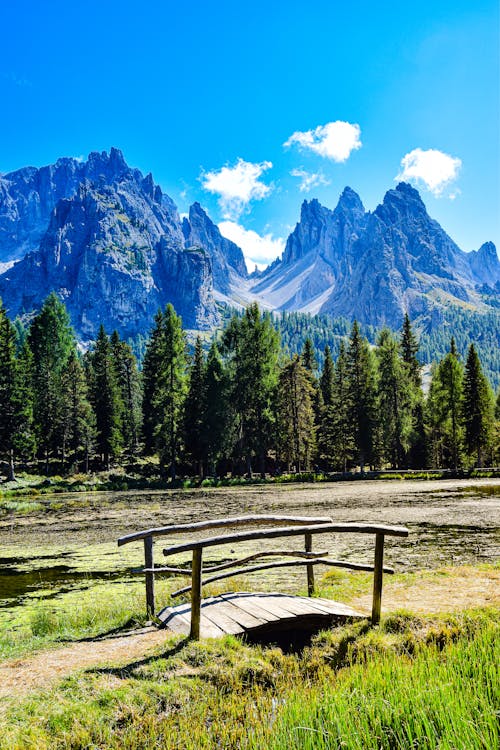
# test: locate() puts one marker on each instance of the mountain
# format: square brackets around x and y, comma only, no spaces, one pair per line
[228,262]
[317,253]
[28,197]
[376,266]
[113,249]
[113,246]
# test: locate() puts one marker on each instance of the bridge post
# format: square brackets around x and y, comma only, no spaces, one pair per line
[310,568]
[377,578]
[150,577]
[196,570]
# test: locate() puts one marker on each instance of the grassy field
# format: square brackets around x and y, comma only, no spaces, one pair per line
[414,682]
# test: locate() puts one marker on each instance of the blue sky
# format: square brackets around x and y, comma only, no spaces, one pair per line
[205,95]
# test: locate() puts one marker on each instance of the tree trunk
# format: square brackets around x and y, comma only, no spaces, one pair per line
[11,477]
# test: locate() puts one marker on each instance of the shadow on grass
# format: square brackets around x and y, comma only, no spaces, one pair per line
[130,627]
[128,670]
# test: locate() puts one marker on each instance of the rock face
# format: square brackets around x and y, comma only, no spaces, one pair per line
[114,251]
[112,245]
[226,257]
[317,253]
[28,197]
[375,266]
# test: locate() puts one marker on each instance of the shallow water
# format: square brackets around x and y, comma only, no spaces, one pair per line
[71,543]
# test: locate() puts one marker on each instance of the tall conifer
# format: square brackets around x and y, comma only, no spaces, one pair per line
[251,344]
[327,378]
[394,400]
[150,384]
[443,407]
[51,340]
[362,397]
[106,400]
[194,409]
[130,391]
[15,397]
[295,415]
[171,389]
[477,408]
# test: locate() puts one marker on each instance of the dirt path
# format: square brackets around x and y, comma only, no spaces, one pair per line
[459,588]
[21,676]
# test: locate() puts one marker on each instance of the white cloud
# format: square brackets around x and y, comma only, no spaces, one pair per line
[432,168]
[335,140]
[258,250]
[309,180]
[237,186]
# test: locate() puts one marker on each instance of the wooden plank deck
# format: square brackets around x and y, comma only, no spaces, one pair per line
[257,614]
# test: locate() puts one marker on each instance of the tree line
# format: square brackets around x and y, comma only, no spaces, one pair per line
[242,406]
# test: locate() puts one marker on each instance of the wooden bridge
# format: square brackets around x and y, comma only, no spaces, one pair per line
[256,613]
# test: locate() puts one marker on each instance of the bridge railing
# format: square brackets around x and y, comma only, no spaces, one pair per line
[283,526]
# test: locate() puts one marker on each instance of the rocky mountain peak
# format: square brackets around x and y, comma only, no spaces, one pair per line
[226,257]
[350,201]
[110,165]
[485,265]
[400,203]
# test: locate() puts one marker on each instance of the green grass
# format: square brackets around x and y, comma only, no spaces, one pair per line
[77,614]
[415,682]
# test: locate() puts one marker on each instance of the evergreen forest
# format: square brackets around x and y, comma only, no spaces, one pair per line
[244,403]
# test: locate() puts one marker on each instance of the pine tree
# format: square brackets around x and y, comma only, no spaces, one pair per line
[51,340]
[327,378]
[150,381]
[477,408]
[416,455]
[251,344]
[409,350]
[308,358]
[335,437]
[106,400]
[362,397]
[295,414]
[79,418]
[15,397]
[394,400]
[130,391]
[194,409]
[170,391]
[218,417]
[496,433]
[443,408]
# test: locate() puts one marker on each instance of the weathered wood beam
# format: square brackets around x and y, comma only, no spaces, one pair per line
[377,578]
[196,594]
[221,523]
[310,568]
[233,563]
[283,564]
[150,576]
[244,536]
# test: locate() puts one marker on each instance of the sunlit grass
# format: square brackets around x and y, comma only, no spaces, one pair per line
[415,682]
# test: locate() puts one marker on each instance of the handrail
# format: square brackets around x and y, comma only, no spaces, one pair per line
[284,526]
[221,523]
[285,564]
[245,536]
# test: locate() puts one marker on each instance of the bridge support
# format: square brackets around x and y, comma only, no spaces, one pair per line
[377,578]
[150,576]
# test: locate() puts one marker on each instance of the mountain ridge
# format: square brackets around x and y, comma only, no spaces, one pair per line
[113,246]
